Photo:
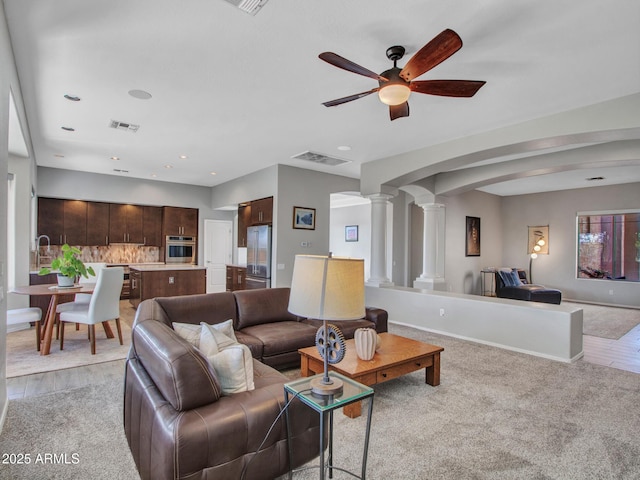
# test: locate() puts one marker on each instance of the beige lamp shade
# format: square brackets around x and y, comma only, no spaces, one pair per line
[327,288]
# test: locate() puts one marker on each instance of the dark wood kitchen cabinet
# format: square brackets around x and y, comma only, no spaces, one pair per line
[125,223]
[262,211]
[152,226]
[63,221]
[180,221]
[244,220]
[165,282]
[97,223]
[236,278]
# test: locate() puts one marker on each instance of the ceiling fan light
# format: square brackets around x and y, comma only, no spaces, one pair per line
[394,94]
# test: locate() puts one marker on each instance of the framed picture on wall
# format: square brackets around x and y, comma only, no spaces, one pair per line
[304,218]
[472,238]
[351,233]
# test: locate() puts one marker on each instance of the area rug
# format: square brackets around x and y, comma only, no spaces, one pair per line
[24,359]
[606,322]
[497,415]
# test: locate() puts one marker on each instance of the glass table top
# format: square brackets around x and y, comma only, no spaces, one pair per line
[352,391]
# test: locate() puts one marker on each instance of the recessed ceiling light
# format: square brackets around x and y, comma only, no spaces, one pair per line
[73,98]
[168,166]
[153,175]
[68,129]
[212,173]
[344,148]
[115,158]
[140,94]
[183,157]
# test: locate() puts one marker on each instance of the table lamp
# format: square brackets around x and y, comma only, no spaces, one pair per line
[327,288]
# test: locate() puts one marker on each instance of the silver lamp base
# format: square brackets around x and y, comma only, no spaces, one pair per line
[323,389]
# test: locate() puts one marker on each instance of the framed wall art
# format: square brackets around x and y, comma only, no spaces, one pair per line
[472,238]
[304,218]
[538,240]
[351,233]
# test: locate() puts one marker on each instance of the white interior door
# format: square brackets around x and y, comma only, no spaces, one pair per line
[218,243]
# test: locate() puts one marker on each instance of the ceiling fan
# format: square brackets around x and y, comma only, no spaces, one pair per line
[396,84]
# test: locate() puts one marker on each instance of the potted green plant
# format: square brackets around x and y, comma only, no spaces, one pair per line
[69,267]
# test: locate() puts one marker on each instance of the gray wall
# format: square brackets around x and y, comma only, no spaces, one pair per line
[8,83]
[304,188]
[558,210]
[22,168]
[359,215]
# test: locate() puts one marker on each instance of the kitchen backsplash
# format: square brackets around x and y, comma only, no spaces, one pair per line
[113,254]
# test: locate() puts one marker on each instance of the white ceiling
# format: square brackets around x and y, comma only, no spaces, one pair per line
[236,93]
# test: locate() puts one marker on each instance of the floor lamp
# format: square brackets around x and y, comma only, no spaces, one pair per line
[534,254]
[327,288]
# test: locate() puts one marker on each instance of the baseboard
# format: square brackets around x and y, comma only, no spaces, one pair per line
[492,344]
[616,305]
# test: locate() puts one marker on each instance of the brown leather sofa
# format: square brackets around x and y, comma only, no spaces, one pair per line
[177,423]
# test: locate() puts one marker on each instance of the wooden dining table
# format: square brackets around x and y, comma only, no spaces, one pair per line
[43,340]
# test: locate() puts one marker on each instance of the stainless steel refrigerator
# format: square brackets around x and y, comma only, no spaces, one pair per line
[259,257]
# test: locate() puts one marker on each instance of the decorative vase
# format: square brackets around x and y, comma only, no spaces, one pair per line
[64,281]
[366,340]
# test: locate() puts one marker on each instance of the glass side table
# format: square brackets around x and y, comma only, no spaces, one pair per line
[325,406]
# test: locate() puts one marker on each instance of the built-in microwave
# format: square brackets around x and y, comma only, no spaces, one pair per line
[180,249]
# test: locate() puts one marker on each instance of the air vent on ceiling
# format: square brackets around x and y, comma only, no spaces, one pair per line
[594,179]
[248,6]
[124,126]
[320,158]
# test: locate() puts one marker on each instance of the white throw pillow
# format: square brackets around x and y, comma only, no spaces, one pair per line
[188,331]
[215,338]
[234,368]
[191,333]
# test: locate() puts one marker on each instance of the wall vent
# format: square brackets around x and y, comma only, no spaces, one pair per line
[124,126]
[320,158]
[248,6]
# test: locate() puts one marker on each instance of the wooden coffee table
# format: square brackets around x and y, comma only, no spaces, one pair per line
[396,356]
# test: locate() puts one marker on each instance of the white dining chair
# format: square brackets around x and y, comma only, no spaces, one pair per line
[80,298]
[16,316]
[103,306]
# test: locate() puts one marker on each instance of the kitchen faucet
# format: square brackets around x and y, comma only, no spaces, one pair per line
[38,248]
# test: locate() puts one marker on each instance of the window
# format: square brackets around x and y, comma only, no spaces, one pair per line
[609,245]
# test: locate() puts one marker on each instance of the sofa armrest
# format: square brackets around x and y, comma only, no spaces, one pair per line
[379,317]
[175,366]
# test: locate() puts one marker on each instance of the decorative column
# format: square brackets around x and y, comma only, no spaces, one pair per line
[379,203]
[432,277]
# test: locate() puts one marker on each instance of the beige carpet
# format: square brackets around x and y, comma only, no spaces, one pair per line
[606,322]
[497,415]
[24,359]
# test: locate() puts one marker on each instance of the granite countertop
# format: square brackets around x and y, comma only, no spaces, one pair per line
[146,267]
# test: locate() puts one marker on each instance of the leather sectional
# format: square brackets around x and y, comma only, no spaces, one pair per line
[177,423]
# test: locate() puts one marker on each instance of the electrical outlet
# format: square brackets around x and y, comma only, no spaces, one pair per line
[281,266]
[442,312]
[610,292]
[172,280]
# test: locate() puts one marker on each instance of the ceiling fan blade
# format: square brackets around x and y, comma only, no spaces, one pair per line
[341,62]
[397,111]
[350,98]
[447,88]
[433,53]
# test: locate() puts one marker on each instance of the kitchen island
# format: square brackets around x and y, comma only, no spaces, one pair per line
[150,281]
